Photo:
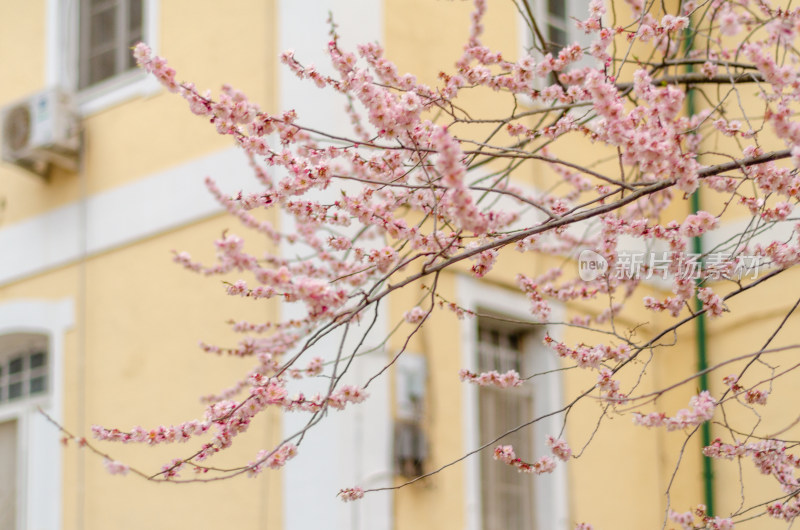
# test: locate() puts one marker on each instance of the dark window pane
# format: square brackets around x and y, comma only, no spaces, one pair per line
[14,390]
[38,359]
[134,16]
[38,384]
[101,29]
[135,23]
[101,67]
[104,50]
[557,8]
[557,38]
[15,366]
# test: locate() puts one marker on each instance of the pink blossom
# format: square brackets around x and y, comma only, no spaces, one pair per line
[712,303]
[508,379]
[351,494]
[701,410]
[560,448]
[415,315]
[115,468]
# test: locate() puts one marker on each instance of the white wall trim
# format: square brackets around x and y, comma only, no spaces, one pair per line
[551,501]
[40,462]
[352,447]
[781,231]
[149,206]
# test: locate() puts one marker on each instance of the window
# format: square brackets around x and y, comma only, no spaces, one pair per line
[23,379]
[24,374]
[495,498]
[556,22]
[88,45]
[554,19]
[506,494]
[108,30]
[30,453]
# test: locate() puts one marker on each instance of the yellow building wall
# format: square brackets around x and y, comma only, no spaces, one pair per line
[132,357]
[139,317]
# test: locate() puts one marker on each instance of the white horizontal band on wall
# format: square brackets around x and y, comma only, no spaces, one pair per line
[149,206]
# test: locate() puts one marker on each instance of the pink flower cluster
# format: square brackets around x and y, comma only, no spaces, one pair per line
[698,224]
[415,315]
[505,454]
[687,520]
[769,456]
[586,356]
[395,201]
[560,448]
[752,396]
[701,409]
[351,494]
[507,380]
[115,468]
[609,387]
[274,459]
[788,510]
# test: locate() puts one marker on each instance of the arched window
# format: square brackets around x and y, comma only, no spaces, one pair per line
[23,366]
[31,377]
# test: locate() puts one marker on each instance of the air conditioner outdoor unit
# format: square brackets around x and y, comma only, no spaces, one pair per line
[41,131]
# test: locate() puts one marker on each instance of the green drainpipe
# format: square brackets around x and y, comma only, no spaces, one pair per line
[700,329]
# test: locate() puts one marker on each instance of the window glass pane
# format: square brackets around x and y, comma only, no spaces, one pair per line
[135,22]
[507,494]
[134,16]
[38,359]
[38,384]
[110,28]
[8,474]
[101,67]
[557,8]
[15,390]
[101,29]
[15,366]
[557,38]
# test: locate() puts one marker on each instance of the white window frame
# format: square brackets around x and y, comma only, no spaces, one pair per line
[551,509]
[63,44]
[27,374]
[39,464]
[576,9]
[497,480]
